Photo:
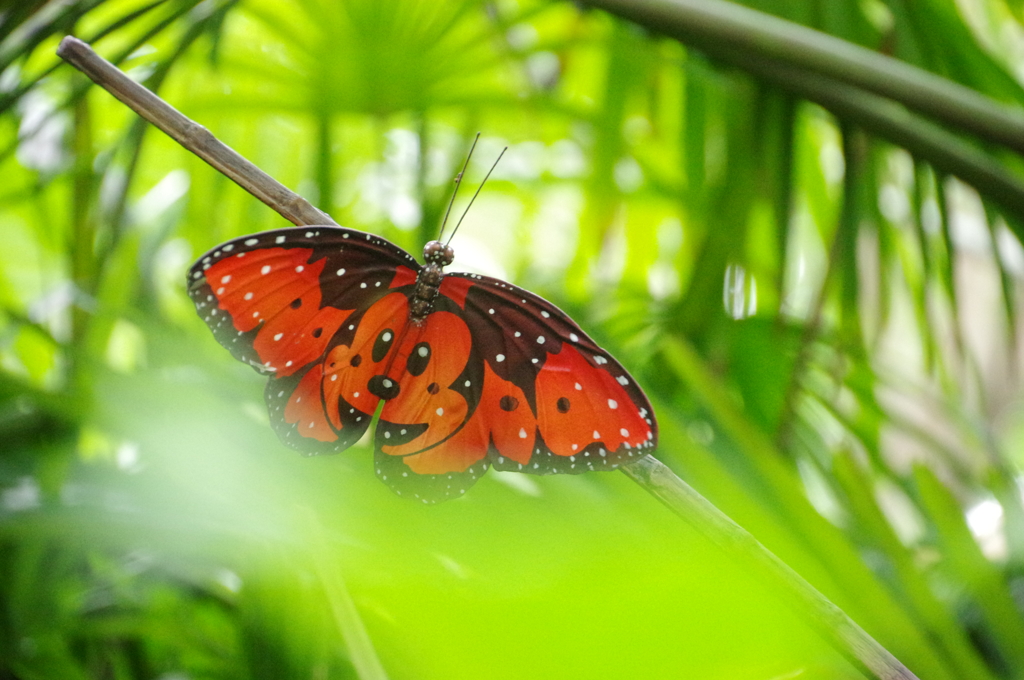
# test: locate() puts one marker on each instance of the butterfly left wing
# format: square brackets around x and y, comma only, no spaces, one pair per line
[285,301]
[539,397]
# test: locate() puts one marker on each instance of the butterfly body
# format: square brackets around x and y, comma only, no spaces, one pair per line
[473,371]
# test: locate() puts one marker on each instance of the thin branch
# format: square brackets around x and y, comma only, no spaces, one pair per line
[190,135]
[851,640]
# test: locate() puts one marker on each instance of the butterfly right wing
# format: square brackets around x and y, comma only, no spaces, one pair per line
[510,382]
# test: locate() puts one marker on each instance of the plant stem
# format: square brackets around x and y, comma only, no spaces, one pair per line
[28,34]
[714,25]
[870,99]
[845,635]
[849,638]
[190,134]
[927,141]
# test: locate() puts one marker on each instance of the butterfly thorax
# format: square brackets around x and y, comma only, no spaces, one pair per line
[437,255]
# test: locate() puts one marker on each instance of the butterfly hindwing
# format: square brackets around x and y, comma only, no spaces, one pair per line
[299,414]
[417,449]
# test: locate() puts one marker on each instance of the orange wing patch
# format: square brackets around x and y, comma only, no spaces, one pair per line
[502,418]
[306,410]
[579,404]
[505,418]
[431,359]
[456,288]
[349,369]
[280,289]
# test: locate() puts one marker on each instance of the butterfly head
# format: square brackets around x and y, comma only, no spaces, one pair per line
[438,253]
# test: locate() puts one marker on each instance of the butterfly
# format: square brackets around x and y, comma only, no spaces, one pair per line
[474,372]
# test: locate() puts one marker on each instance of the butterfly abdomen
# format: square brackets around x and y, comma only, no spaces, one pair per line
[428,282]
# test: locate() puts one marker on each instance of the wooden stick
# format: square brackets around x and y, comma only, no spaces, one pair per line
[190,134]
[656,478]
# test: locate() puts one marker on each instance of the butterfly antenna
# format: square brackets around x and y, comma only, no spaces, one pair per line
[458,183]
[476,194]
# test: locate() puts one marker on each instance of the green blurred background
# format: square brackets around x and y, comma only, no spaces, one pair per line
[825,318]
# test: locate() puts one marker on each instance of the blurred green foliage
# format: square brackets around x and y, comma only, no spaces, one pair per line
[827,324]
